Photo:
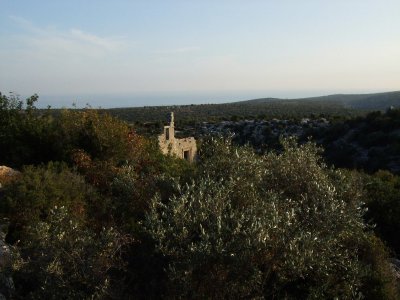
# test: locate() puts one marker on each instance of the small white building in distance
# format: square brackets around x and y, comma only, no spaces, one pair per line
[183,148]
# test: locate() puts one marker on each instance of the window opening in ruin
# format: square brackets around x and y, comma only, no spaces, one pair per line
[186,154]
[167,134]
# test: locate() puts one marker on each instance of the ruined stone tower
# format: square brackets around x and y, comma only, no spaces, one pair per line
[183,148]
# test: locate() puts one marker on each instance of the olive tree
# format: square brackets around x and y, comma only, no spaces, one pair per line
[280,225]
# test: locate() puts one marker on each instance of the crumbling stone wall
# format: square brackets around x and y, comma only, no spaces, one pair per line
[183,148]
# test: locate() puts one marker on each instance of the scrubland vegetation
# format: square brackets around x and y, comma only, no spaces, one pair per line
[98,212]
[332,105]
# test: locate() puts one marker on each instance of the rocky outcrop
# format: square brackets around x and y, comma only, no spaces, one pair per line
[7,175]
[260,133]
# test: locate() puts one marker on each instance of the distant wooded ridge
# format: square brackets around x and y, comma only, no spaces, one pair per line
[331,105]
[376,101]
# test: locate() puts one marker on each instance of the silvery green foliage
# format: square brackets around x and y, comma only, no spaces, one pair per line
[280,225]
[69,261]
[209,241]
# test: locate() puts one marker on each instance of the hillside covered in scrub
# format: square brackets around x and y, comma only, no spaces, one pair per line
[96,211]
[332,105]
[370,142]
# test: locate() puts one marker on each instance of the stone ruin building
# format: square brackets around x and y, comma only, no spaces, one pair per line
[183,148]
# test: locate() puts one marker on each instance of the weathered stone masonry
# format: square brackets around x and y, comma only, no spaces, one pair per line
[183,148]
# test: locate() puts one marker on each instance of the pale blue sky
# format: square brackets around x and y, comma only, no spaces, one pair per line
[133,53]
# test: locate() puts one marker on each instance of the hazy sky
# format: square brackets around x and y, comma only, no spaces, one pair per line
[143,52]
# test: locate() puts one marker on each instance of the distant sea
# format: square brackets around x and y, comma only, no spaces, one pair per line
[169,98]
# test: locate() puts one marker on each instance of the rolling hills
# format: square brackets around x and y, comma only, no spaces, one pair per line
[339,104]
[376,101]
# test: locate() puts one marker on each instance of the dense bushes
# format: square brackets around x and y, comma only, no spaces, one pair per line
[32,136]
[101,136]
[26,137]
[383,201]
[369,143]
[38,190]
[64,259]
[63,252]
[116,219]
[275,226]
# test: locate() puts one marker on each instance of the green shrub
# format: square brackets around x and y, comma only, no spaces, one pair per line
[276,226]
[63,259]
[100,135]
[30,199]
[27,136]
[383,202]
[379,281]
